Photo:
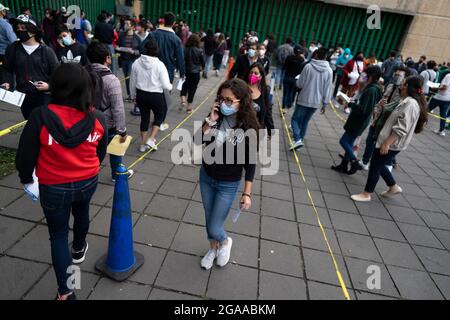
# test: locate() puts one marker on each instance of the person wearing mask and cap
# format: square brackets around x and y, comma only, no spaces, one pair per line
[243,63]
[68,49]
[7,36]
[340,64]
[31,62]
[350,80]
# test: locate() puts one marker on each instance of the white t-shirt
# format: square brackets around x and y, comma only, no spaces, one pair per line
[30,49]
[427,75]
[444,95]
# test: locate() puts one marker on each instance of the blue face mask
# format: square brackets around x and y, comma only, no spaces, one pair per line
[227,110]
[251,53]
[67,41]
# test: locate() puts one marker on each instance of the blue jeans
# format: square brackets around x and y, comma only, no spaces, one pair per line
[300,120]
[347,141]
[289,89]
[370,145]
[378,168]
[444,107]
[57,201]
[279,76]
[208,64]
[126,68]
[114,161]
[217,197]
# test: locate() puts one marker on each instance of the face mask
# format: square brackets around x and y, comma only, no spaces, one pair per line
[254,79]
[398,79]
[346,56]
[251,53]
[67,41]
[23,36]
[227,110]
[262,52]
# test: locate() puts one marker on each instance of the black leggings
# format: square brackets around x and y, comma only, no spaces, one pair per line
[190,86]
[151,101]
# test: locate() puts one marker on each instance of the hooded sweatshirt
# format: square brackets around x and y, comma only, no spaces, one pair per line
[149,74]
[316,82]
[63,144]
[342,60]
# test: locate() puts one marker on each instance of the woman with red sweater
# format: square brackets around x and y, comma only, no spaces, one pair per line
[65,142]
[350,77]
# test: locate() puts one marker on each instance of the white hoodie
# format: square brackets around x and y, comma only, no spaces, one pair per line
[149,74]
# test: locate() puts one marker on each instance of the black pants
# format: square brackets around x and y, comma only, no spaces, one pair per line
[33,101]
[338,83]
[378,168]
[151,101]
[190,86]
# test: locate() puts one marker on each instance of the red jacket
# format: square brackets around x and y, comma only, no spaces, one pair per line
[348,68]
[61,154]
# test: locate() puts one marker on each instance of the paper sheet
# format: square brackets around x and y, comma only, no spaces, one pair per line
[344,96]
[15,98]
[32,189]
[180,84]
[433,85]
[118,149]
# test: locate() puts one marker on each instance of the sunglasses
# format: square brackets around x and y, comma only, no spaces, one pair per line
[229,102]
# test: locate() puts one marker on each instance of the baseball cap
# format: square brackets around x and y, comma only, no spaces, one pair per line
[2,7]
[23,18]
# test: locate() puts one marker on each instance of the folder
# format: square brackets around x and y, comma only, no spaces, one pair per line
[118,149]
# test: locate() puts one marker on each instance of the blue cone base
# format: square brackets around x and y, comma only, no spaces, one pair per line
[121,275]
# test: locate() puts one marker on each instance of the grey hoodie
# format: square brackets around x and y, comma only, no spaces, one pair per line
[316,84]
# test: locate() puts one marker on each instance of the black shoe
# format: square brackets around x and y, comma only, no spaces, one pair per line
[342,168]
[72,296]
[80,256]
[354,168]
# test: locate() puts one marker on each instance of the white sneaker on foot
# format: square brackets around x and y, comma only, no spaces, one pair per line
[152,144]
[223,253]
[364,166]
[144,148]
[393,191]
[208,260]
[390,168]
[361,198]
[299,144]
[347,110]
[164,126]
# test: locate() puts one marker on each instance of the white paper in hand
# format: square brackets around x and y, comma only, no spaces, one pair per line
[180,84]
[32,189]
[433,85]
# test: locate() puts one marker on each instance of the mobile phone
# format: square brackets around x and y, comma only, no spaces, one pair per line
[33,83]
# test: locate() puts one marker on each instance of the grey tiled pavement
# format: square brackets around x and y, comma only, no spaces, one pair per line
[278,252]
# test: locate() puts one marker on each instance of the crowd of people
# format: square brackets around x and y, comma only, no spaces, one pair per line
[75,106]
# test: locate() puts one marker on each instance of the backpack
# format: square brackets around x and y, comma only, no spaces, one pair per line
[97,78]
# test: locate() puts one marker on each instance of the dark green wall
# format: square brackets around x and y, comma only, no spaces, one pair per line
[307,19]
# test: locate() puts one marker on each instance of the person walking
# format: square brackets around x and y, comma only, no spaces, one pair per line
[283,51]
[209,47]
[359,118]
[219,179]
[149,79]
[219,53]
[243,63]
[315,83]
[65,142]
[350,78]
[395,136]
[293,67]
[195,62]
[7,36]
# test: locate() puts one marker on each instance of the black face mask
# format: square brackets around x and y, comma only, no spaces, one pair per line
[23,36]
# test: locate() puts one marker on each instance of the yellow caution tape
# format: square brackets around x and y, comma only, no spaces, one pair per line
[337,113]
[12,128]
[338,273]
[438,117]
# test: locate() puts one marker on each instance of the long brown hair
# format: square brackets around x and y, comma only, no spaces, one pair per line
[262,84]
[414,90]
[246,115]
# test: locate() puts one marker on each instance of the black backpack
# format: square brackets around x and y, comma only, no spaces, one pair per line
[97,79]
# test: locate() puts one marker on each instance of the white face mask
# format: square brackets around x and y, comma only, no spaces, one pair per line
[262,52]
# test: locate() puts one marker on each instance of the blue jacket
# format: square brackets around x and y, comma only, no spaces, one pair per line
[170,50]
[7,35]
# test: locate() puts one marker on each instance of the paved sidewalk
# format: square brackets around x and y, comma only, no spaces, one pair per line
[278,250]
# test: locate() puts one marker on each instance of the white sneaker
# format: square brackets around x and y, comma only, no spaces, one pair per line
[223,254]
[152,144]
[208,260]
[164,126]
[390,168]
[347,110]
[364,166]
[299,144]
[217,73]
[442,133]
[392,192]
[144,148]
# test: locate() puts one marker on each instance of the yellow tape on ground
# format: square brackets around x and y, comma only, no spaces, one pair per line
[291,143]
[178,126]
[438,117]
[12,128]
[337,113]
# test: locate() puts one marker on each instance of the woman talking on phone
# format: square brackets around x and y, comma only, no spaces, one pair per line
[227,126]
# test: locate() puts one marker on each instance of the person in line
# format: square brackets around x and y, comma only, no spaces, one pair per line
[334,56]
[128,48]
[104,33]
[32,64]
[391,99]
[263,58]
[195,62]
[442,100]
[315,83]
[209,47]
[49,27]
[429,75]
[69,50]
[219,53]
[65,142]
[220,180]
[243,63]
[82,33]
[340,64]
[141,31]
[108,98]
[226,56]
[359,118]
[149,79]
[389,66]
[395,136]
[293,67]
[283,51]
[270,45]
[422,65]
[7,36]
[350,79]
[256,79]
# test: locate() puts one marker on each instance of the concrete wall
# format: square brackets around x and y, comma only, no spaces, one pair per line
[429,33]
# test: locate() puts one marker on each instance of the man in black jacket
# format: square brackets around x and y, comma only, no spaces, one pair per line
[104,33]
[68,50]
[243,63]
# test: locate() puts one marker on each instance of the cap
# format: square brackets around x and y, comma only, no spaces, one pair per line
[23,18]
[2,7]
[63,9]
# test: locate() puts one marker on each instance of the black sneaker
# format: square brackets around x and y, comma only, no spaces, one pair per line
[72,296]
[80,256]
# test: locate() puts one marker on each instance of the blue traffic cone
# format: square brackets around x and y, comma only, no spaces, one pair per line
[121,261]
